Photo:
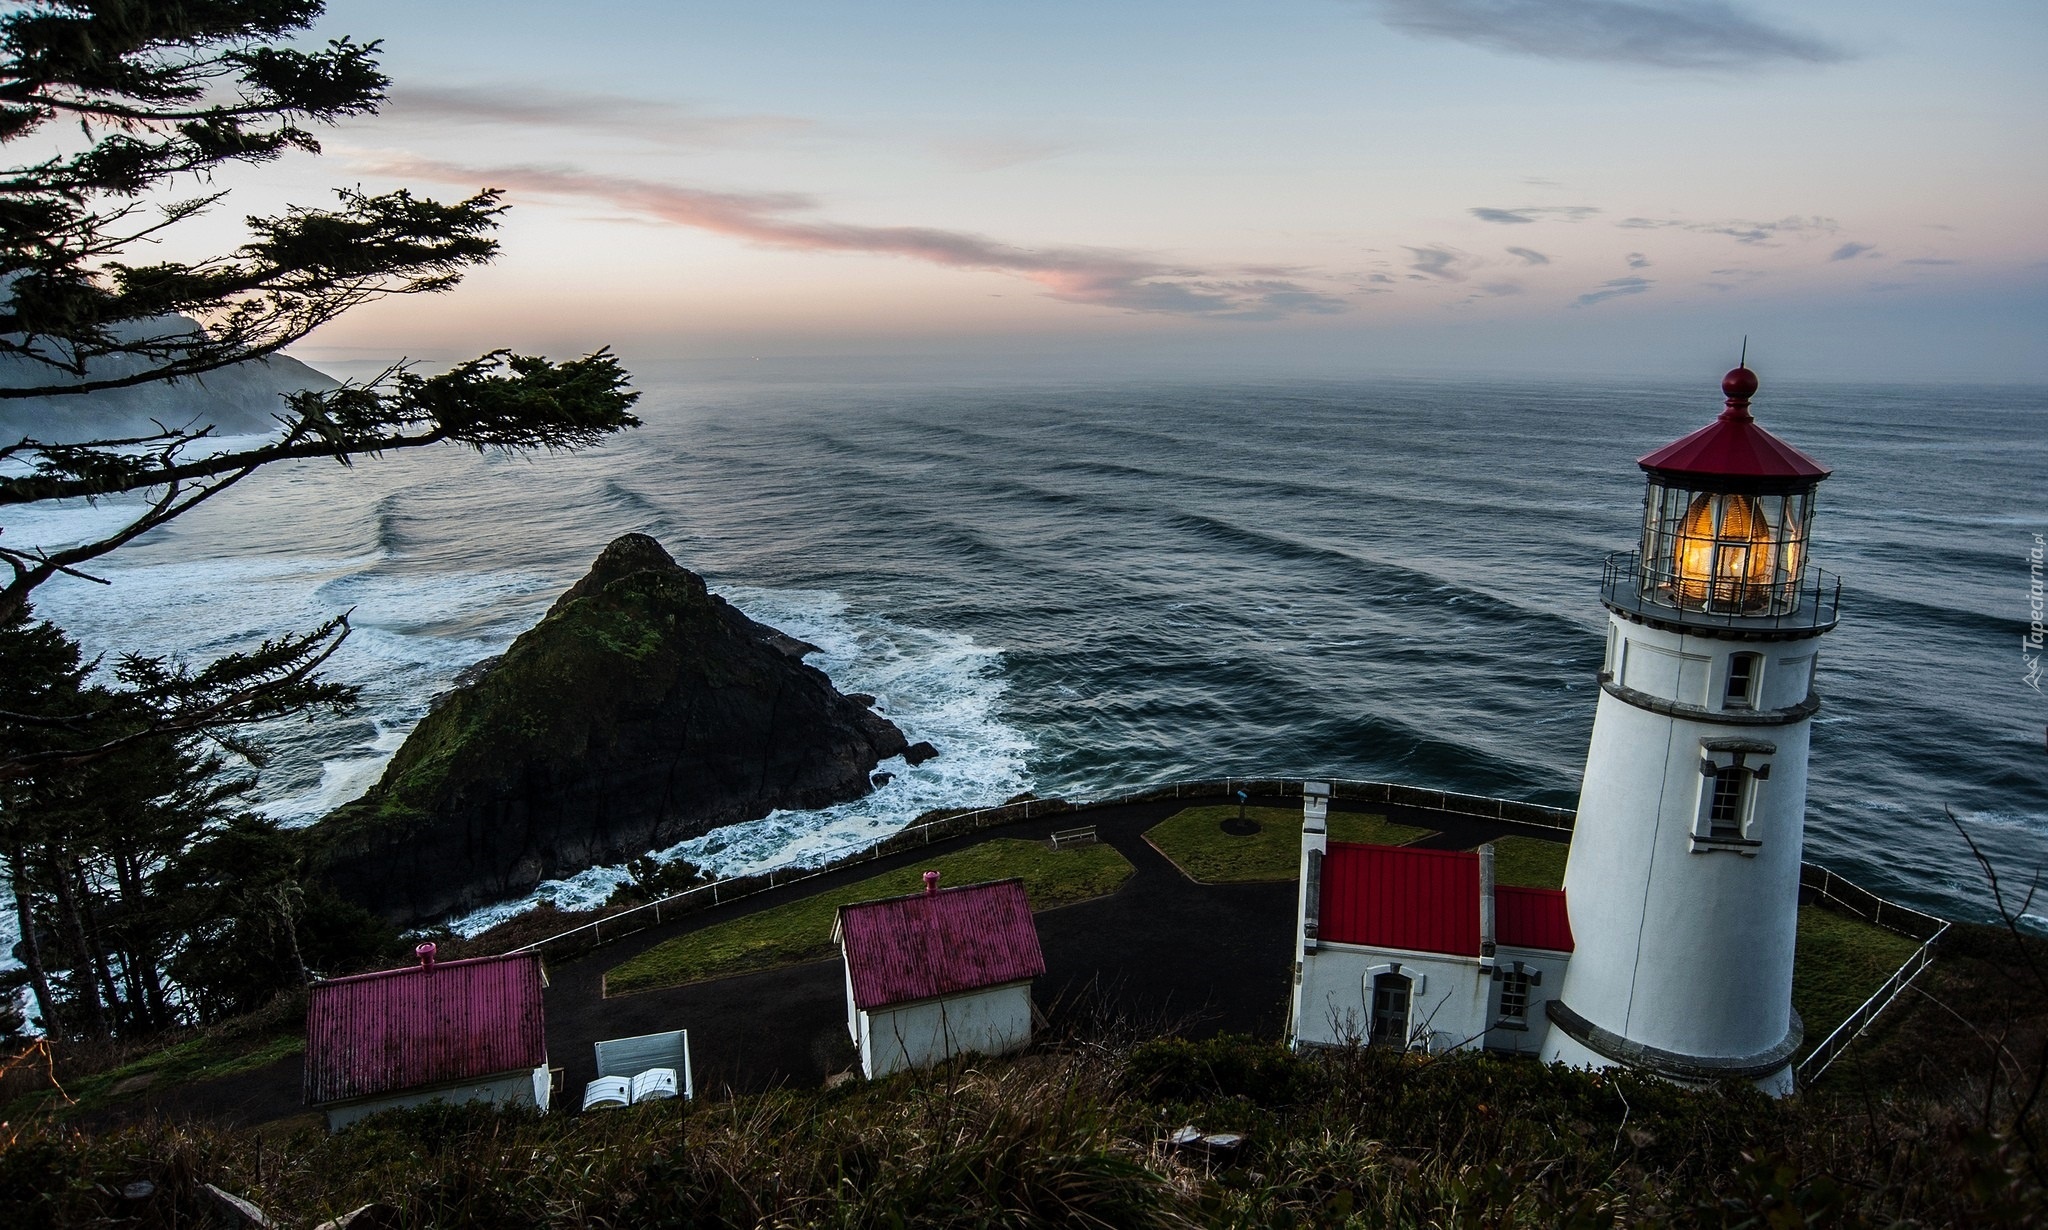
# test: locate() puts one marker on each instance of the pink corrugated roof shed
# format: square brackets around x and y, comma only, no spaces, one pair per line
[427,1024]
[940,943]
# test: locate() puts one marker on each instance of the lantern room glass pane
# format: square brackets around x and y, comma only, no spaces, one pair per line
[1724,551]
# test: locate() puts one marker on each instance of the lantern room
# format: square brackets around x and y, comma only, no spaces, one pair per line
[1725,522]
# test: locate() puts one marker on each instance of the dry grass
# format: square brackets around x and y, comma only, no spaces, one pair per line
[1075,1137]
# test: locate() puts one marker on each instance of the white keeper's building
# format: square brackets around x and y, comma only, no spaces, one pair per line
[940,973]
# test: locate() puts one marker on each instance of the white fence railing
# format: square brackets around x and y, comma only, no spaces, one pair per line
[716,892]
[1857,901]
[1852,1027]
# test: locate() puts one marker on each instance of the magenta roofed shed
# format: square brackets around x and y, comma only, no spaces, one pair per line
[939,942]
[943,973]
[434,1027]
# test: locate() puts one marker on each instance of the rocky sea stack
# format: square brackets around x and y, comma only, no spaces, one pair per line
[642,710]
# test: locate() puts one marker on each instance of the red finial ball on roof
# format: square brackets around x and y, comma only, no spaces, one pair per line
[1739,384]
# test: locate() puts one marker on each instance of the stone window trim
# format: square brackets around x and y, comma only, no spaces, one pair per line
[1730,771]
[1531,977]
[1417,980]
[1532,972]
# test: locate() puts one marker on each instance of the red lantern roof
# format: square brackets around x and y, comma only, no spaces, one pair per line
[1733,446]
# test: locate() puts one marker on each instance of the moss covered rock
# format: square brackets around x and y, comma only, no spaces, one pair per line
[640,711]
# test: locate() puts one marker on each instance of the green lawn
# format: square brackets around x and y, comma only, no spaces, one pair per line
[1840,962]
[1529,862]
[802,930]
[1194,839]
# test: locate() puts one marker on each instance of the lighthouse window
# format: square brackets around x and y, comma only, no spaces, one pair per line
[1514,996]
[1742,675]
[1724,813]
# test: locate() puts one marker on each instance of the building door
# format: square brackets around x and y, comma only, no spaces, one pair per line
[1390,1010]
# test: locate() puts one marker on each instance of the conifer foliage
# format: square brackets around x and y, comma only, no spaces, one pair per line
[146,897]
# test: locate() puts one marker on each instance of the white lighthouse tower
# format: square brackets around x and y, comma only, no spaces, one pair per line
[1683,881]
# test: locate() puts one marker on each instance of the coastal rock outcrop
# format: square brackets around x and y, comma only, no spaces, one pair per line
[642,710]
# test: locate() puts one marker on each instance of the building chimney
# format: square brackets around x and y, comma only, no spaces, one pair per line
[425,952]
[931,883]
[1486,900]
[1315,807]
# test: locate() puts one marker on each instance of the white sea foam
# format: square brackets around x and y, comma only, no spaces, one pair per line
[937,686]
[412,633]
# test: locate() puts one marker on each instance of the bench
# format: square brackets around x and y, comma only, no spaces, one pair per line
[1075,837]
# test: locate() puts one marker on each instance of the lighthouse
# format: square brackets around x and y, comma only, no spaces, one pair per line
[1683,881]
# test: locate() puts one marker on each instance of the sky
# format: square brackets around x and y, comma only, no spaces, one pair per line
[1325,186]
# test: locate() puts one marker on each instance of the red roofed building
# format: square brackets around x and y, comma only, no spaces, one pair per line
[939,973]
[453,1031]
[1418,948]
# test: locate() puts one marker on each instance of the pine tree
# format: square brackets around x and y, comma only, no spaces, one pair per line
[142,101]
[145,897]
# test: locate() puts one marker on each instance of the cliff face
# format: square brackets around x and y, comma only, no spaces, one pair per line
[640,711]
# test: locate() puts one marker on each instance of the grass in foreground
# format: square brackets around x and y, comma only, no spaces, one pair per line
[1358,1138]
[1529,862]
[1840,962]
[802,930]
[1194,839]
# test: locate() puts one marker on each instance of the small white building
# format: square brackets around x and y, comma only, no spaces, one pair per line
[940,973]
[438,1031]
[1419,949]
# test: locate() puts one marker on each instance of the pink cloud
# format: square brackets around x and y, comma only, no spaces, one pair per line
[1097,277]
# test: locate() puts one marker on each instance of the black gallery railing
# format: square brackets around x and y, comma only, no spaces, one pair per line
[1811,603]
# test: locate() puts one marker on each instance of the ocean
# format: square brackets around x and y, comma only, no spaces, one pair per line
[1079,587]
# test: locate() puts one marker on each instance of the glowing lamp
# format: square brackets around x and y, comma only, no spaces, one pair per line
[1725,550]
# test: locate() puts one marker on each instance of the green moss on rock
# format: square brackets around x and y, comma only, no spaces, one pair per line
[640,710]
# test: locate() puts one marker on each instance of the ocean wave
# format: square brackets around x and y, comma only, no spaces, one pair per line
[410,634]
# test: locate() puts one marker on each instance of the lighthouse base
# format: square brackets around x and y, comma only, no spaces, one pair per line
[1577,1042]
